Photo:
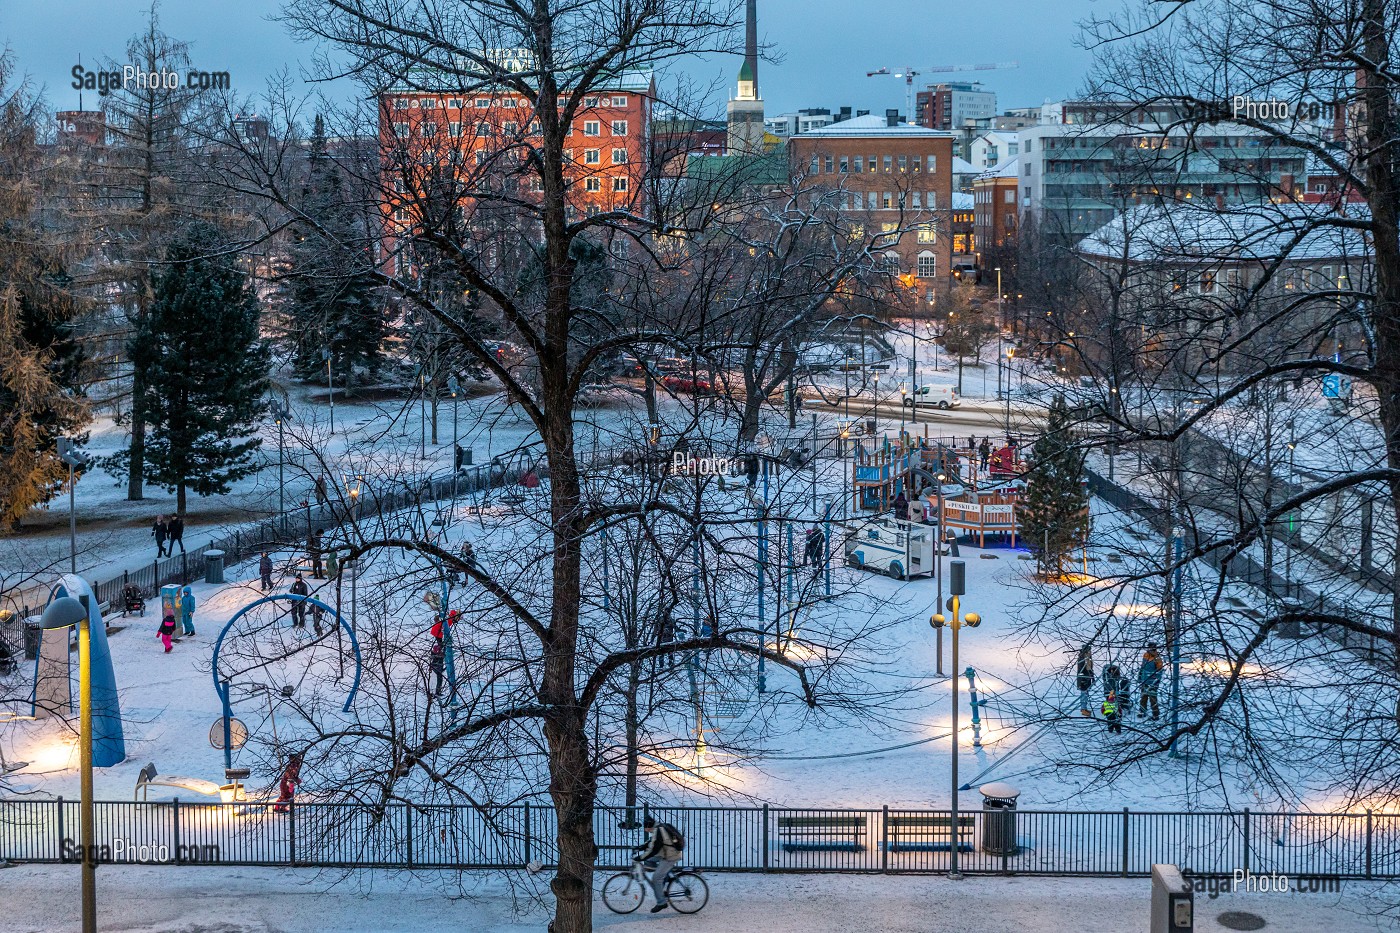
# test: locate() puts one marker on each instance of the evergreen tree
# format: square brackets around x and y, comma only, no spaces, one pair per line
[331,304]
[1054,513]
[41,361]
[203,367]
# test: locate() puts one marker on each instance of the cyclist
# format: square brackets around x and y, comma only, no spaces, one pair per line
[661,853]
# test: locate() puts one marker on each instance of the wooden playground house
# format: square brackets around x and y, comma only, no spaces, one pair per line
[979,512]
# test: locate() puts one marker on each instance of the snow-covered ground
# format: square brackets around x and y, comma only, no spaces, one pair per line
[248,900]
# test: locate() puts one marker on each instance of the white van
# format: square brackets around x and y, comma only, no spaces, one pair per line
[944,397]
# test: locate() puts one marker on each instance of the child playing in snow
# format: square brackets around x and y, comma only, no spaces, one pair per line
[287,784]
[167,629]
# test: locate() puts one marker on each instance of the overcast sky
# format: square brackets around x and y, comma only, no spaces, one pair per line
[827,46]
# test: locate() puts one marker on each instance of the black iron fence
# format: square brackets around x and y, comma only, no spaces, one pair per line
[1031,842]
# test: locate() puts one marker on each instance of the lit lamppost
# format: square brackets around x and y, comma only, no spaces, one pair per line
[1010,358]
[76,460]
[903,400]
[66,612]
[957,587]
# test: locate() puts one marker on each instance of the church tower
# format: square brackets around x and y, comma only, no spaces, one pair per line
[745,111]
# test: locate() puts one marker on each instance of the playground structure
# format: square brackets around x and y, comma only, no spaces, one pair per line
[898,548]
[988,510]
[881,470]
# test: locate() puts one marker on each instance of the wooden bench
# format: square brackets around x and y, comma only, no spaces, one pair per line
[148,778]
[928,833]
[845,832]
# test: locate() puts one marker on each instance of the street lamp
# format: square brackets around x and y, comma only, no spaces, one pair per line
[957,587]
[903,396]
[280,412]
[455,387]
[330,383]
[875,403]
[65,612]
[76,460]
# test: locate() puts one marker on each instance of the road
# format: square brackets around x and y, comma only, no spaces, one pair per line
[988,415]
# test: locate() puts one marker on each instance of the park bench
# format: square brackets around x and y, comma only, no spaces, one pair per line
[928,833]
[149,777]
[798,833]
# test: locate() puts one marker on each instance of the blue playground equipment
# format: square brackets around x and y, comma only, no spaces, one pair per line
[222,686]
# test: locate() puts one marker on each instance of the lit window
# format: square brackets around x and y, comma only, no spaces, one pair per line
[889,163]
[927,233]
[874,163]
[904,163]
[592,128]
[619,127]
[886,200]
[933,163]
[1207,283]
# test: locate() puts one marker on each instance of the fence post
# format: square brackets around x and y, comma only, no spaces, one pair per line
[765,836]
[527,832]
[61,835]
[175,811]
[292,832]
[884,839]
[1369,838]
[1125,842]
[1246,840]
[408,831]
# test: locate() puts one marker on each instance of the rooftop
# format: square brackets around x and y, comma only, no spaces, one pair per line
[872,125]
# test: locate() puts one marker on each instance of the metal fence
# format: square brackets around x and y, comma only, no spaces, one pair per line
[1029,842]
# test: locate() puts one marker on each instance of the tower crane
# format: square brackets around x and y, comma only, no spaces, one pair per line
[909,74]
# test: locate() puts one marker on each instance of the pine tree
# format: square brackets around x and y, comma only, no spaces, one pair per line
[1054,513]
[203,367]
[41,361]
[329,304]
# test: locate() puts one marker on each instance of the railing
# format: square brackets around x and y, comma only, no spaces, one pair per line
[1030,842]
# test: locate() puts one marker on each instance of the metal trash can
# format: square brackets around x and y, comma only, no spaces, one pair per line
[999,818]
[213,566]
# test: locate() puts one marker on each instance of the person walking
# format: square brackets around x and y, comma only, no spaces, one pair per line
[661,853]
[287,784]
[166,630]
[1084,679]
[313,551]
[317,614]
[984,452]
[187,611]
[971,446]
[159,531]
[299,588]
[265,571]
[814,548]
[1150,681]
[901,507]
[1110,713]
[175,528]
[321,490]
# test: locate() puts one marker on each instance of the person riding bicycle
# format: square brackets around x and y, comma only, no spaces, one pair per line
[661,853]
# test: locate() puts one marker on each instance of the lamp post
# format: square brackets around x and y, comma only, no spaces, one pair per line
[1291,524]
[65,612]
[1010,356]
[903,397]
[875,403]
[76,460]
[330,383]
[280,412]
[455,388]
[957,587]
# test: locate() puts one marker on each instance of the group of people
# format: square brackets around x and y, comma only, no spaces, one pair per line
[168,529]
[980,451]
[1117,688]
[166,632]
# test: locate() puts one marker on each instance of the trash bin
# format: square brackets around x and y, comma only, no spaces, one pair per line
[33,635]
[213,566]
[870,427]
[999,818]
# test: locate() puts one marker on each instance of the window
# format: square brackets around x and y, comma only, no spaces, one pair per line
[400,104]
[889,163]
[401,130]
[508,102]
[915,163]
[916,205]
[859,164]
[483,129]
[1029,142]
[592,184]
[845,165]
[874,163]
[1206,284]
[816,165]
[455,104]
[454,129]
[927,233]
[620,101]
[931,201]
[620,183]
[537,183]
[891,263]
[932,163]
[401,214]
[1010,196]
[591,156]
[512,128]
[886,201]
[429,129]
[483,102]
[829,167]
[928,265]
[399,186]
[619,127]
[619,157]
[592,128]
[480,158]
[590,101]
[904,163]
[428,103]
[535,127]
[873,200]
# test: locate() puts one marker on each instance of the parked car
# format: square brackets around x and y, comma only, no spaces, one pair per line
[966,273]
[688,384]
[944,397]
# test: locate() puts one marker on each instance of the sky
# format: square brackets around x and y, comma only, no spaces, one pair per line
[826,46]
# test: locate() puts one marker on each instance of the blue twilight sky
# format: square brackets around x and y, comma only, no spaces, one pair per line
[827,45]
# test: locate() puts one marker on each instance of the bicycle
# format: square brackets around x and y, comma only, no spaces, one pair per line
[686,889]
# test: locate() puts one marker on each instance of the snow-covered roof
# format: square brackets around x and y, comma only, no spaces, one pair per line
[1006,168]
[1186,232]
[872,125]
[963,167]
[962,201]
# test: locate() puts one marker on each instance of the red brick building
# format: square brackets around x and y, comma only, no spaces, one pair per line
[482,137]
[996,210]
[895,176]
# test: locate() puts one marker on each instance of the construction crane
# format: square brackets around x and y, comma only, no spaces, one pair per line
[909,74]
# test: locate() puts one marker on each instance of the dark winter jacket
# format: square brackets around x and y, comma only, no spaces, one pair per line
[176,528]
[1150,674]
[160,530]
[437,657]
[662,842]
[1084,674]
[265,566]
[299,588]
[167,626]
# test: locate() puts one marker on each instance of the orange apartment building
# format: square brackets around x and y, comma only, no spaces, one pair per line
[481,137]
[896,175]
